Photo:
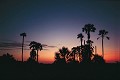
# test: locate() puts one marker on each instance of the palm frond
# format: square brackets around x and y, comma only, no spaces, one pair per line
[108,38]
[98,38]
[83,29]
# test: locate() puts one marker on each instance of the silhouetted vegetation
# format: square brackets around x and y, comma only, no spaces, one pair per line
[82,53]
[61,55]
[98,59]
[81,37]
[23,35]
[103,34]
[7,59]
[85,64]
[35,46]
[88,28]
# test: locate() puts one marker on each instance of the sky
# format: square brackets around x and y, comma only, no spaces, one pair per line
[56,23]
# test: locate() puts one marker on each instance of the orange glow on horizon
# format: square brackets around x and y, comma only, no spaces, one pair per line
[47,57]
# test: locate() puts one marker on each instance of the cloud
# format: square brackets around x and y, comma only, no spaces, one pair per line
[52,46]
[44,45]
[14,45]
[10,45]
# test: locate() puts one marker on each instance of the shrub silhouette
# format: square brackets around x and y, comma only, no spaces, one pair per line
[98,59]
[7,58]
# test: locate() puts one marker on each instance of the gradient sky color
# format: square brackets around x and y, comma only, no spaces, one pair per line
[57,23]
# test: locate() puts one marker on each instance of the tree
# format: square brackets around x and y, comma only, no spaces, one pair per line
[74,51]
[58,59]
[88,28]
[86,52]
[33,54]
[102,34]
[87,49]
[7,58]
[36,46]
[61,55]
[64,51]
[98,59]
[23,35]
[81,37]
[89,42]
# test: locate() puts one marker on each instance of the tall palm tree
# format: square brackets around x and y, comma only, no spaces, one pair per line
[88,28]
[36,46]
[81,37]
[23,35]
[102,34]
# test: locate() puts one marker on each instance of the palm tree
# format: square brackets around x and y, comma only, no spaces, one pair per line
[88,28]
[36,46]
[23,35]
[81,37]
[74,51]
[33,54]
[87,52]
[57,58]
[89,42]
[102,34]
[64,52]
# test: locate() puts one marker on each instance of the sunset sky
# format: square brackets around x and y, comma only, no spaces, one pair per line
[56,23]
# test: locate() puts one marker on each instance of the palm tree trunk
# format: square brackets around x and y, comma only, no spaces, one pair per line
[84,42]
[37,55]
[74,56]
[95,49]
[22,48]
[79,57]
[81,41]
[102,48]
[88,35]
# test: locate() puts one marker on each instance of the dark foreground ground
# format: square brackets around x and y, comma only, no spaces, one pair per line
[59,72]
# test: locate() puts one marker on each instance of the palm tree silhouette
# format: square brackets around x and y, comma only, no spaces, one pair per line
[81,37]
[87,52]
[89,42]
[57,58]
[23,35]
[74,51]
[36,46]
[33,54]
[102,34]
[64,52]
[61,57]
[88,28]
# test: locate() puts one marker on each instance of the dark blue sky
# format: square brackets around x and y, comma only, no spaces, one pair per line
[57,22]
